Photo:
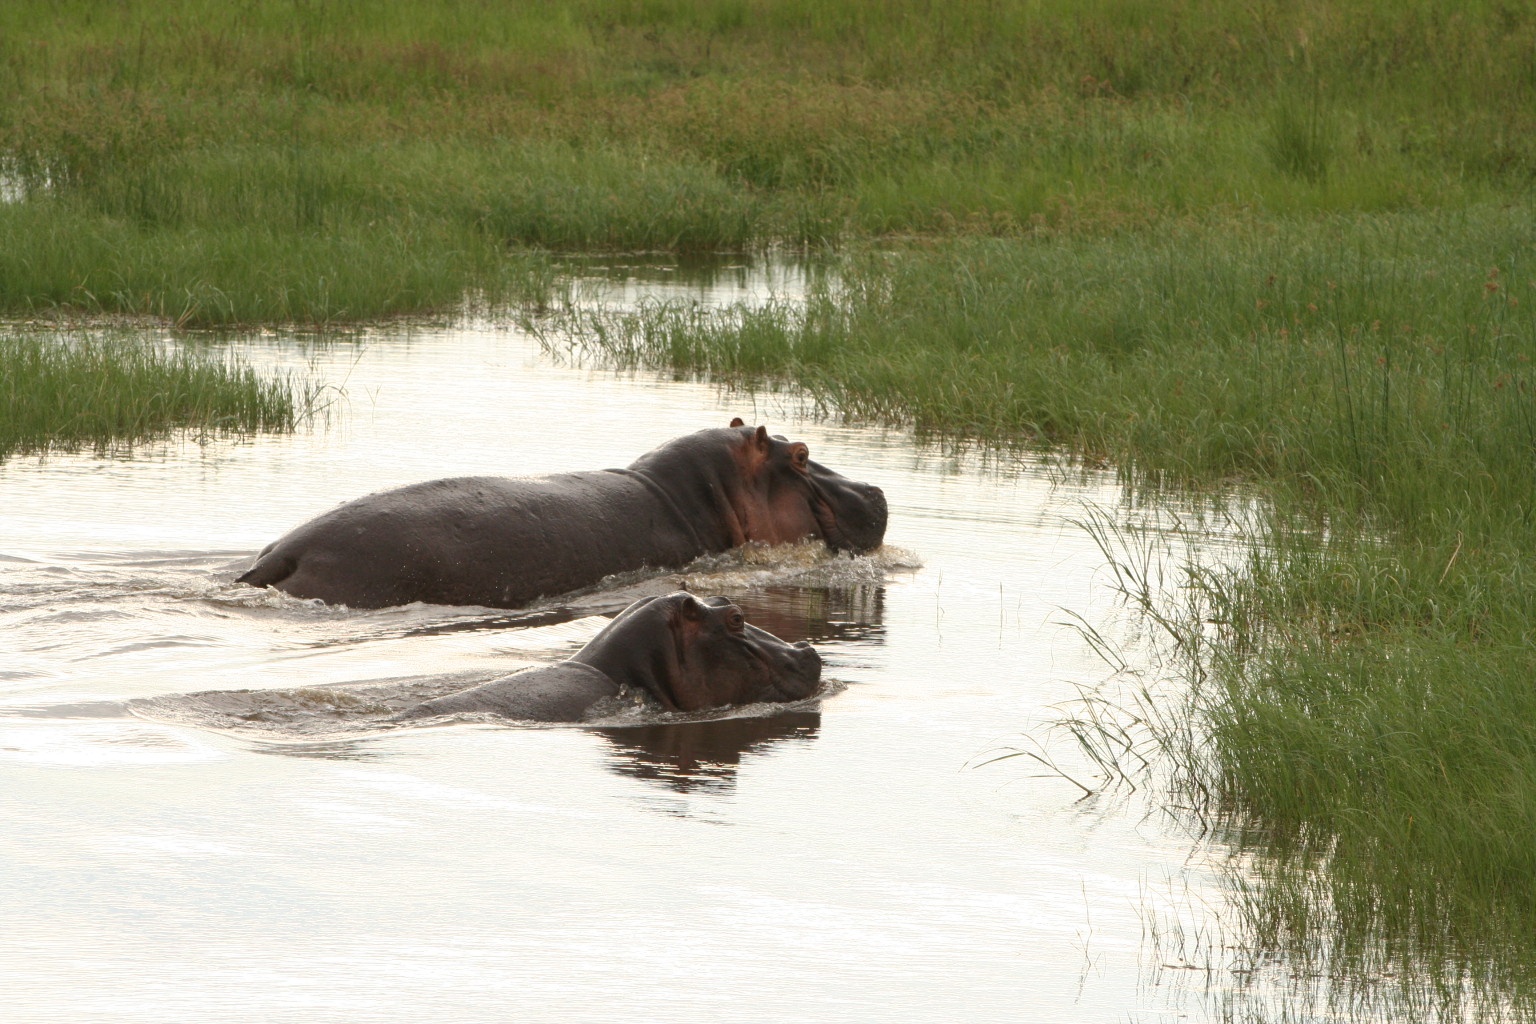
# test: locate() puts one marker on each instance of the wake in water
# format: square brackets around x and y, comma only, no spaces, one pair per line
[682,752]
[109,610]
[334,712]
[94,609]
[210,576]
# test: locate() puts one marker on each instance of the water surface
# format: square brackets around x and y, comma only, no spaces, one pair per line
[849,860]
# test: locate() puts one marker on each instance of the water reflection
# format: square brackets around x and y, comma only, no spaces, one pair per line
[791,613]
[500,621]
[81,709]
[818,614]
[701,756]
[633,278]
[339,750]
[307,719]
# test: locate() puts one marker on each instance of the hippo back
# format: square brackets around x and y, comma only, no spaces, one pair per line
[555,693]
[497,541]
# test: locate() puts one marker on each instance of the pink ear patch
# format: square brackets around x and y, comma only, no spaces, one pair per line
[737,421]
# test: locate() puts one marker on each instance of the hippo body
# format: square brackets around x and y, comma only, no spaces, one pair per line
[480,540]
[504,541]
[556,693]
[684,653]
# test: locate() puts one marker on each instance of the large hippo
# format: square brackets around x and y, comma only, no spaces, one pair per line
[686,654]
[504,541]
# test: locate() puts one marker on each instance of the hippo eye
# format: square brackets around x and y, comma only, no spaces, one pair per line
[801,457]
[734,621]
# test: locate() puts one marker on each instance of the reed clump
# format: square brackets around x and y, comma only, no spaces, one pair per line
[109,394]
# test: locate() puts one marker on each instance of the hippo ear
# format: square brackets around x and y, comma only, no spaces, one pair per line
[737,421]
[764,443]
[691,608]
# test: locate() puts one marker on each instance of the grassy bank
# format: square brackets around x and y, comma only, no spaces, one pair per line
[355,158]
[105,394]
[1363,702]
[1319,353]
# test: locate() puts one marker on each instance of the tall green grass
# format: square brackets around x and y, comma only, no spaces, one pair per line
[110,393]
[228,237]
[1362,711]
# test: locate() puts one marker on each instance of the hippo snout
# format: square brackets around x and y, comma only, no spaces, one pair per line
[876,498]
[800,673]
[861,522]
[810,659]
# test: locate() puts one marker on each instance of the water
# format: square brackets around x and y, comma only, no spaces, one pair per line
[853,860]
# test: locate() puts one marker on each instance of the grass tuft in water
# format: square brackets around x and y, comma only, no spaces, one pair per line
[108,394]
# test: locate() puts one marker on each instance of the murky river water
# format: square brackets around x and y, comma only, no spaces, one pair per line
[850,861]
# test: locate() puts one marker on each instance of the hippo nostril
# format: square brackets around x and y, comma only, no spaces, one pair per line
[802,644]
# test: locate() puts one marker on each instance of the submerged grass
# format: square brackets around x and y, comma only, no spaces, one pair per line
[109,393]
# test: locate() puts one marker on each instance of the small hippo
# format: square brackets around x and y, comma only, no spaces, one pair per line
[504,541]
[686,654]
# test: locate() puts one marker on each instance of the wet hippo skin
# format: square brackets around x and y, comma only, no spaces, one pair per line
[504,541]
[685,653]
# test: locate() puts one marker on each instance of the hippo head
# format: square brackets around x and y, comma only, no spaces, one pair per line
[692,654]
[739,484]
[786,497]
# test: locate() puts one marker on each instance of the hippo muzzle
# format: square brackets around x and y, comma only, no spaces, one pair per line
[791,672]
[851,515]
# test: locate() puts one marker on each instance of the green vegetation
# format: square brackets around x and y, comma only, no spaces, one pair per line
[56,258]
[1363,702]
[340,159]
[1207,241]
[109,393]
[1319,353]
